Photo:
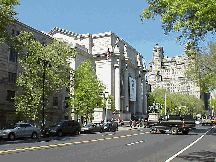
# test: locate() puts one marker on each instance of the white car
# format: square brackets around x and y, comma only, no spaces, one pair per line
[197,122]
[18,130]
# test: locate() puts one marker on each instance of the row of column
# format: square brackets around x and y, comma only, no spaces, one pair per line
[138,105]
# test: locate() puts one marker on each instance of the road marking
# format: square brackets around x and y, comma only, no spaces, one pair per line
[178,153]
[71,143]
[133,143]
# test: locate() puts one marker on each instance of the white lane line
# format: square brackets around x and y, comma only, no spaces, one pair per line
[174,156]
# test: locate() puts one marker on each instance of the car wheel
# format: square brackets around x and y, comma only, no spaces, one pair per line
[174,130]
[34,135]
[77,132]
[11,136]
[153,130]
[59,133]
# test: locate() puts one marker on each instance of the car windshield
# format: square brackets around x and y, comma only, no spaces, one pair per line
[106,124]
[12,126]
[88,125]
[56,124]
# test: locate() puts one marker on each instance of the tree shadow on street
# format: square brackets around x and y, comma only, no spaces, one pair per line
[40,139]
[203,155]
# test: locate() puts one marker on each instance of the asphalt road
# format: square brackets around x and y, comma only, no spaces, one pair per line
[138,145]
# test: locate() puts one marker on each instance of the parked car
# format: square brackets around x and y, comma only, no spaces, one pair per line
[19,130]
[206,120]
[110,126]
[92,127]
[213,120]
[197,121]
[65,127]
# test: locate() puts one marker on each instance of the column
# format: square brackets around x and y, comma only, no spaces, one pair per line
[144,94]
[126,89]
[117,87]
[139,101]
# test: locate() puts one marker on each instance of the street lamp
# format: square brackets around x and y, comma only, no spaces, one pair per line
[45,62]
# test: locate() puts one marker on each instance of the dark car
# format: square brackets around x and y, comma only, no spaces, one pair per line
[65,127]
[110,126]
[92,127]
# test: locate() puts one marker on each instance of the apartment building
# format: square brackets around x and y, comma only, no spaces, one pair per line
[169,73]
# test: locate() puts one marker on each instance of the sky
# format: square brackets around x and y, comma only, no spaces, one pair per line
[97,16]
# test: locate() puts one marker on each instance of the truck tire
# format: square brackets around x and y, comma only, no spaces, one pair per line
[153,130]
[162,132]
[174,131]
[185,132]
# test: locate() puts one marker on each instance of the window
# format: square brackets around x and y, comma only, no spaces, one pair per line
[12,55]
[11,77]
[10,96]
[55,101]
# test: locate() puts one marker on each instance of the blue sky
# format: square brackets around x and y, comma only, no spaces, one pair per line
[97,16]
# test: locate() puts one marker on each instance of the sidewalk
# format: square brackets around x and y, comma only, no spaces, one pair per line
[127,127]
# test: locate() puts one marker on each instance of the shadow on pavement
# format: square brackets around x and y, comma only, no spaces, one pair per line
[203,155]
[41,139]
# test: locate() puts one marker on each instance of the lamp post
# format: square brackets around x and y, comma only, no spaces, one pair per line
[45,62]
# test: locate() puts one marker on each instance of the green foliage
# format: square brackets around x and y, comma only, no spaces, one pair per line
[86,90]
[202,68]
[193,18]
[177,103]
[7,14]
[35,59]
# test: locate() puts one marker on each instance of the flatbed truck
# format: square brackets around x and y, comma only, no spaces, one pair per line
[173,123]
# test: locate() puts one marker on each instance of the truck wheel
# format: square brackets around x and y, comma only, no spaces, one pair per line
[174,130]
[153,130]
[162,132]
[185,132]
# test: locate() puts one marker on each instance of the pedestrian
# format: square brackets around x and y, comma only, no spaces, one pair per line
[134,123]
[131,123]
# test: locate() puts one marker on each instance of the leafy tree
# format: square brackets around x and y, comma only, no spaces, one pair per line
[86,90]
[177,103]
[202,67]
[193,18]
[48,64]
[7,13]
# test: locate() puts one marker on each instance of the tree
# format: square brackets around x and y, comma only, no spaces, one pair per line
[201,68]
[48,64]
[86,90]
[7,13]
[177,103]
[193,18]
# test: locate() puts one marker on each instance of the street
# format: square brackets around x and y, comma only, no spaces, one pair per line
[125,145]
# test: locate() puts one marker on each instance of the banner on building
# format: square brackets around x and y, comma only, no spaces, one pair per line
[132,83]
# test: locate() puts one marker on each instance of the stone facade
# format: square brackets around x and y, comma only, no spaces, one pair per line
[115,71]
[123,73]
[169,73]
